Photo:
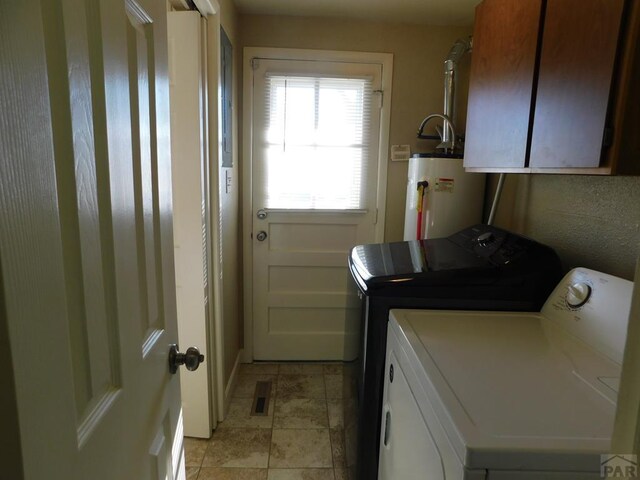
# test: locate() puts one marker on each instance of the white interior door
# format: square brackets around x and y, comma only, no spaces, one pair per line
[191,228]
[316,128]
[86,250]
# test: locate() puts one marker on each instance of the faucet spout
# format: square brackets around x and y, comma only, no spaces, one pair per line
[447,124]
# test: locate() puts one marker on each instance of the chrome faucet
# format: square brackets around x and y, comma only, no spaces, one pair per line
[447,124]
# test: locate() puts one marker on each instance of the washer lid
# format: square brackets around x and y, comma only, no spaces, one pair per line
[512,390]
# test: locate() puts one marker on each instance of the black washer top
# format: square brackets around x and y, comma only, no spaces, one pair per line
[487,258]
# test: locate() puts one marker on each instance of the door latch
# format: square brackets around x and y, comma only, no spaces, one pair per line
[191,359]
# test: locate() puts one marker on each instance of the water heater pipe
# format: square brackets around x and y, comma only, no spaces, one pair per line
[459,49]
[496,199]
[422,189]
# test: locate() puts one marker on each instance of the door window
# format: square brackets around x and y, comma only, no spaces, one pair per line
[317,132]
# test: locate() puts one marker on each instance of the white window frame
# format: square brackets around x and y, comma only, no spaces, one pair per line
[249,53]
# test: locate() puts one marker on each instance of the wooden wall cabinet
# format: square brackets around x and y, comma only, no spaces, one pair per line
[555,87]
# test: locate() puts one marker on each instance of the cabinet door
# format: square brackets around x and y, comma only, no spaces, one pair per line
[502,83]
[576,69]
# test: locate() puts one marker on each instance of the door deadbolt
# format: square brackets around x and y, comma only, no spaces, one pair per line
[261,214]
[261,236]
[191,359]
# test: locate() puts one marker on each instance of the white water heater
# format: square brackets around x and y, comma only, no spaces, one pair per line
[452,198]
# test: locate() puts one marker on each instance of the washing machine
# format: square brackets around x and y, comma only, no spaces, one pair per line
[479,268]
[506,395]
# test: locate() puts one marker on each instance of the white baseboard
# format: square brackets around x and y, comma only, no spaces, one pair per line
[231,384]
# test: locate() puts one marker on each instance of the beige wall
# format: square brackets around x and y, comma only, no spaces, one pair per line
[419,53]
[591,221]
[229,19]
[230,218]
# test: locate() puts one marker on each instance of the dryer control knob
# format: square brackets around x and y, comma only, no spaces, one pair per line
[578,294]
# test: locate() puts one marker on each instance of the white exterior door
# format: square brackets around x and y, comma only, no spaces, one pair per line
[87,293]
[316,129]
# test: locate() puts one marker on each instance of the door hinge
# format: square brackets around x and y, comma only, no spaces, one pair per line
[375,216]
[255,63]
[380,94]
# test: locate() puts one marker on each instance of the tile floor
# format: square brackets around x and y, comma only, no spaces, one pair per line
[301,438]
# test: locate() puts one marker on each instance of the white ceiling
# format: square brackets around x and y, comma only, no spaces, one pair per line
[428,12]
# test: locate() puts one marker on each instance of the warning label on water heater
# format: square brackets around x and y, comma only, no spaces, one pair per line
[444,185]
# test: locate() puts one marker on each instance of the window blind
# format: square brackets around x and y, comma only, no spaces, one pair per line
[316,141]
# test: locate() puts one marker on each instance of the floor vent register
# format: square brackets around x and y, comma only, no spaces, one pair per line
[261,398]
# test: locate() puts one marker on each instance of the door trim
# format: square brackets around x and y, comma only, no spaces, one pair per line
[249,53]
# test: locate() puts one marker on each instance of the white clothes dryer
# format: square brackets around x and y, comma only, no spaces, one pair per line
[506,395]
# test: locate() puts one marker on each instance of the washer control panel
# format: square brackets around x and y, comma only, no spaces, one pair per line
[486,239]
[578,294]
[498,246]
[594,307]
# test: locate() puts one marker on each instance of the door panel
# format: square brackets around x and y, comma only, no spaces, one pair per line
[284,279]
[302,309]
[140,35]
[85,244]
[312,237]
[316,319]
[85,236]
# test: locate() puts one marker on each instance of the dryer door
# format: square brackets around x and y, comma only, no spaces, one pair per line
[407,450]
